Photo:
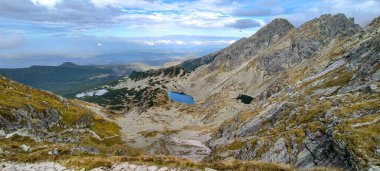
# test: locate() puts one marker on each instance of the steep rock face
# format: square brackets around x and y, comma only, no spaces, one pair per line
[306,41]
[327,114]
[230,59]
[274,55]
[244,49]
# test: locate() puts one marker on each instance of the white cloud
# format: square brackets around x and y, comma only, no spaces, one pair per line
[141,4]
[162,42]
[46,3]
[157,15]
[363,11]
[189,19]
[179,42]
[219,6]
[180,14]
[11,41]
[149,43]
[213,42]
[161,17]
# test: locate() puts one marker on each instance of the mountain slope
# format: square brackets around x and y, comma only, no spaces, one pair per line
[42,131]
[261,67]
[314,99]
[35,124]
[327,115]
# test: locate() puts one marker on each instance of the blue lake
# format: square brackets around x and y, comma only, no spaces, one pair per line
[181,98]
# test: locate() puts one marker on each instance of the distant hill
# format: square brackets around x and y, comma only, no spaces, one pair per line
[67,79]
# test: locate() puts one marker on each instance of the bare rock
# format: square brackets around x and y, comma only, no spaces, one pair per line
[278,153]
[25,148]
[53,152]
[88,150]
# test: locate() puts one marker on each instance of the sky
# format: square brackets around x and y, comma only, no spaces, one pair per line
[34,30]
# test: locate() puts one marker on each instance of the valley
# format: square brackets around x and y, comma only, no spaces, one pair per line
[70,80]
[286,98]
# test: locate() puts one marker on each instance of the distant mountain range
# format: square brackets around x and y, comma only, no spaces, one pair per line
[151,57]
[69,79]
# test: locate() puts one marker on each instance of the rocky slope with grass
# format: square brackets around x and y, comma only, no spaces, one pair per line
[37,126]
[313,94]
[317,105]
[43,131]
[305,97]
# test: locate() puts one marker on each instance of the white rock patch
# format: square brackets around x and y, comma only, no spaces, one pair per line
[92,93]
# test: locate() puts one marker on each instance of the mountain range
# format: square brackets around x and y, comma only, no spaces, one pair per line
[285,98]
[69,79]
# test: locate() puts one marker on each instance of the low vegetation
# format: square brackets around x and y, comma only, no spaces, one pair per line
[67,79]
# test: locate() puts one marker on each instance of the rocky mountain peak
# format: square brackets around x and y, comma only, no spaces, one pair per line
[277,26]
[332,25]
[244,49]
[375,21]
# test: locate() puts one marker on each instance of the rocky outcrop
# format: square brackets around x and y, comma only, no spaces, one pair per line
[37,125]
[55,166]
[317,119]
[246,48]
[306,41]
[252,66]
[319,149]
[41,126]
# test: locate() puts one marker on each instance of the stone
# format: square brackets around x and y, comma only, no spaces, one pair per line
[10,168]
[377,151]
[326,91]
[88,150]
[53,152]
[120,166]
[99,169]
[163,169]
[374,168]
[152,168]
[132,166]
[25,148]
[278,153]
[2,133]
[2,151]
[371,88]
[141,168]
[120,152]
[305,159]
[209,169]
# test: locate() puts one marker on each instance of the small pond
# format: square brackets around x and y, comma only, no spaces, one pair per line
[181,98]
[245,99]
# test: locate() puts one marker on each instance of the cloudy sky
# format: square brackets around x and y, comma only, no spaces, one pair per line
[88,28]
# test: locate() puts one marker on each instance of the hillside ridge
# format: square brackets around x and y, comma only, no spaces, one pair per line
[303,97]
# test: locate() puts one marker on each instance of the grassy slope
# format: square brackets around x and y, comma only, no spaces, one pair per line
[15,96]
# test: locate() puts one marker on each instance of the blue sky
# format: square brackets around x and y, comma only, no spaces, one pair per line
[86,28]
